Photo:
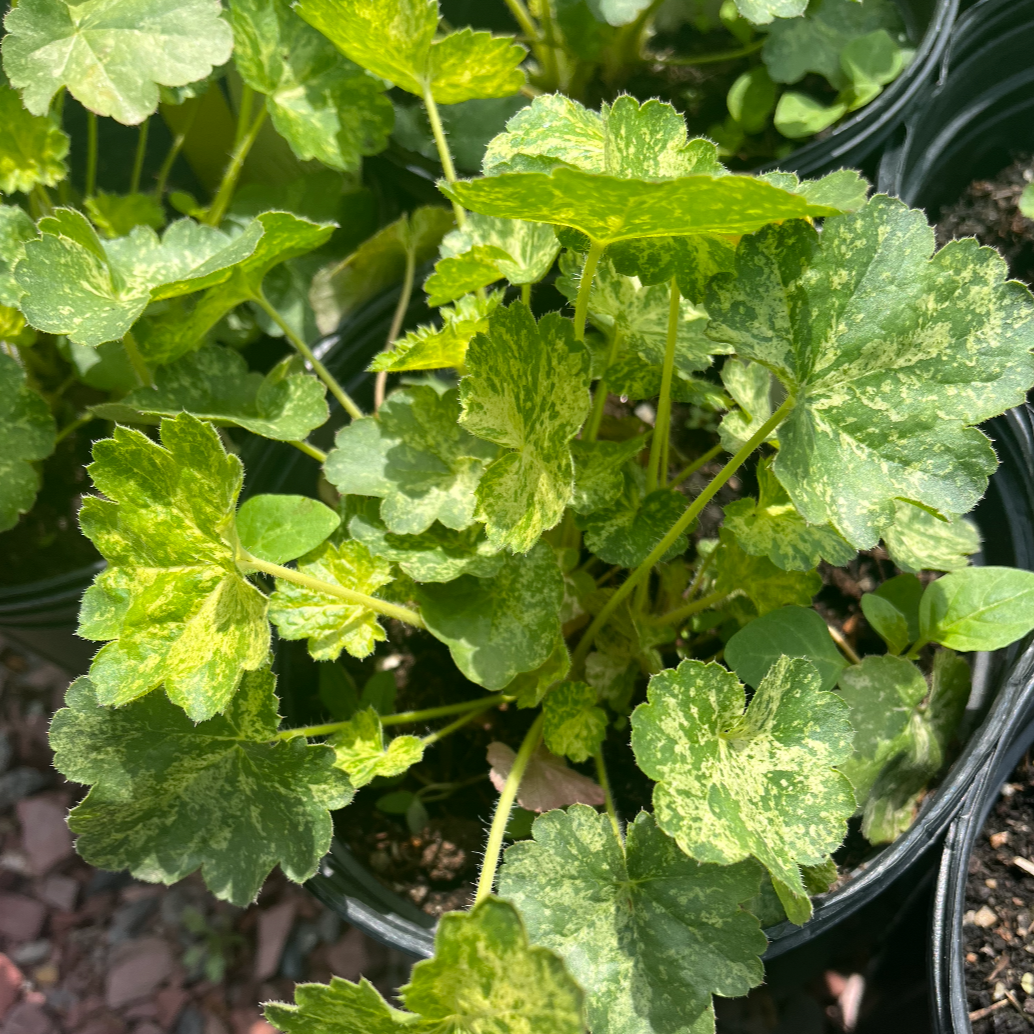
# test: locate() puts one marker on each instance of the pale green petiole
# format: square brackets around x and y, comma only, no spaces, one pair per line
[581,305]
[692,512]
[657,472]
[494,846]
[224,195]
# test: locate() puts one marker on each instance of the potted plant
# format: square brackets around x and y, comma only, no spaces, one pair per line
[520,516]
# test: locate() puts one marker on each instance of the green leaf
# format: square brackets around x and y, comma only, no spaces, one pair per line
[796,46]
[919,541]
[115,215]
[32,148]
[376,264]
[330,623]
[978,608]
[733,783]
[790,632]
[530,687]
[394,39]
[529,249]
[762,12]
[457,275]
[692,261]
[905,591]
[439,554]
[15,229]
[764,584]
[432,348]
[361,751]
[169,797]
[172,599]
[416,458]
[625,534]
[599,471]
[27,434]
[215,384]
[798,115]
[279,528]
[649,933]
[322,104]
[574,725]
[1026,202]
[527,390]
[751,99]
[638,315]
[484,979]
[750,386]
[872,60]
[868,333]
[887,621]
[497,627]
[772,527]
[112,55]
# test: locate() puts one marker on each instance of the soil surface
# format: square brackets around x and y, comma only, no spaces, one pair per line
[988,211]
[998,930]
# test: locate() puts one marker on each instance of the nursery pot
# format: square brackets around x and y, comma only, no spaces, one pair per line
[1006,518]
[950,1005]
[851,143]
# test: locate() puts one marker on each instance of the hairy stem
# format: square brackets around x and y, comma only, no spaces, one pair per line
[688,610]
[581,304]
[381,383]
[494,847]
[599,400]
[224,195]
[700,461]
[713,59]
[444,154]
[448,730]
[604,781]
[249,563]
[72,426]
[303,349]
[526,294]
[243,114]
[177,146]
[309,450]
[39,192]
[657,471]
[91,153]
[662,547]
[138,158]
[136,360]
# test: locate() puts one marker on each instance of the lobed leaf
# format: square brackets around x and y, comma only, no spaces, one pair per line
[870,334]
[416,458]
[168,797]
[27,434]
[733,782]
[330,623]
[497,627]
[574,725]
[765,585]
[649,933]
[919,541]
[15,229]
[361,751]
[172,601]
[112,55]
[599,471]
[527,390]
[628,532]
[116,215]
[32,148]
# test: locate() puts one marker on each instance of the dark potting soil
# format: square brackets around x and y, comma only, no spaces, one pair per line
[988,210]
[46,541]
[998,926]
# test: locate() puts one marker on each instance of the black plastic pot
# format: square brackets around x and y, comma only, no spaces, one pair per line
[950,1007]
[1006,518]
[978,117]
[852,143]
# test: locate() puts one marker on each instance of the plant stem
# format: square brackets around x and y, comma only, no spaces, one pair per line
[444,154]
[657,472]
[447,730]
[701,461]
[391,610]
[662,547]
[321,371]
[224,195]
[713,59]
[396,325]
[138,158]
[599,400]
[91,153]
[604,781]
[844,645]
[428,713]
[503,807]
[309,450]
[526,294]
[581,304]
[681,613]
[177,146]
[39,192]
[136,360]
[74,425]
[243,114]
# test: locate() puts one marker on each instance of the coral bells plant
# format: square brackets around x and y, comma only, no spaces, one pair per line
[503,500]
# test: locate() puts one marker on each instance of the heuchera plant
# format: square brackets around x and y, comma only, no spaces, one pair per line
[497,506]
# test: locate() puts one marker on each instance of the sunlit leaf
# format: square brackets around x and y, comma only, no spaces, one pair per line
[362,753]
[32,147]
[279,528]
[574,725]
[919,541]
